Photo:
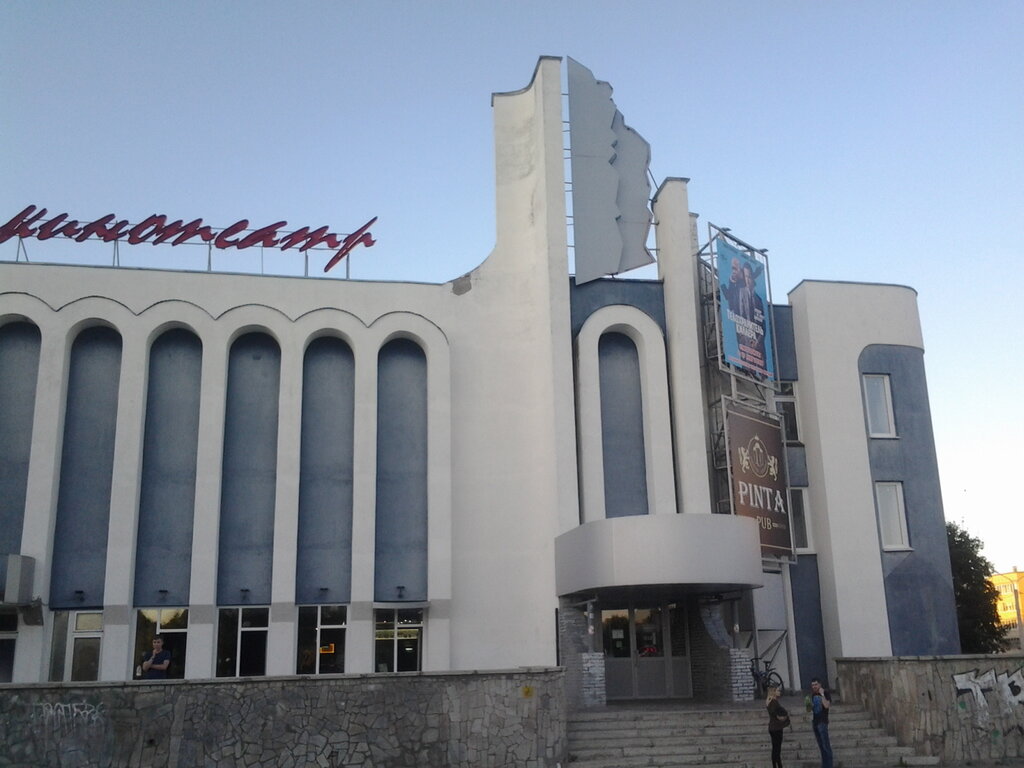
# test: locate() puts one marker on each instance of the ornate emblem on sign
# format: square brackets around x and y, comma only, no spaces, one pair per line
[755,458]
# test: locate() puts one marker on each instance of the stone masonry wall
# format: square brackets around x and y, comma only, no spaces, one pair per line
[374,721]
[720,672]
[959,708]
[584,667]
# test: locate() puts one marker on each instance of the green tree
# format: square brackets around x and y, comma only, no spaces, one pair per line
[976,596]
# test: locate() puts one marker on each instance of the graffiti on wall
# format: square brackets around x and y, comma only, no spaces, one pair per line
[1002,691]
[61,719]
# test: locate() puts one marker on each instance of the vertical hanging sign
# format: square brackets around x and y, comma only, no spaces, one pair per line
[744,319]
[758,475]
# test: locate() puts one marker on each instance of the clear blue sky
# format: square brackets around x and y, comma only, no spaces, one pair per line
[867,141]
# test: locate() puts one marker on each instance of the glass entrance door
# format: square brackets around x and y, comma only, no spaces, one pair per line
[646,652]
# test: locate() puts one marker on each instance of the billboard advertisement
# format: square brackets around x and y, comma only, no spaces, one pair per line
[758,476]
[744,320]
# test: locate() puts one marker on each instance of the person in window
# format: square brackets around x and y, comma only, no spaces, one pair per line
[156,662]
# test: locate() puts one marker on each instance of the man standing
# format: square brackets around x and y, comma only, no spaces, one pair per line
[820,703]
[156,662]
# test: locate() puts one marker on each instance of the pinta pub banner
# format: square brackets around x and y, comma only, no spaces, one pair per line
[744,319]
[758,475]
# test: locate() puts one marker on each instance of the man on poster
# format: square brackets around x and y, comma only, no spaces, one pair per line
[743,308]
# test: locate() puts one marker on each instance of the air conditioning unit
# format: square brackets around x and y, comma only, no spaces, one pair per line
[18,585]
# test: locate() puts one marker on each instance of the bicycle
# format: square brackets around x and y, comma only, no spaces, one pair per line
[762,668]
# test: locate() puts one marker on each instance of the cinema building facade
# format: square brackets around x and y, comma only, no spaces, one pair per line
[516,468]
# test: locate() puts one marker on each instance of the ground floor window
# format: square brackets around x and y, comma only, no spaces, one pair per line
[399,639]
[8,636]
[242,642]
[321,640]
[75,653]
[172,625]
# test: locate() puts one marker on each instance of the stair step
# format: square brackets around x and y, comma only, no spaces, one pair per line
[686,736]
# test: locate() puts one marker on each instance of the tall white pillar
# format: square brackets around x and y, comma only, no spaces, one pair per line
[677,267]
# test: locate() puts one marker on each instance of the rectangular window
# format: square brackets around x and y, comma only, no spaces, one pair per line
[398,639]
[172,625]
[878,402]
[76,658]
[798,518]
[787,411]
[242,642]
[892,516]
[321,640]
[8,637]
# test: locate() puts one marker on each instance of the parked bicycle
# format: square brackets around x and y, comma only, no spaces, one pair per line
[762,668]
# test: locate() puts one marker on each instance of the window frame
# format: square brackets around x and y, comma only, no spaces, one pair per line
[786,396]
[901,517]
[887,406]
[240,630]
[808,547]
[394,625]
[8,635]
[65,636]
[159,628]
[318,646]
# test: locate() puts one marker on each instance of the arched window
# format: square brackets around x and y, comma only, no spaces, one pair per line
[324,562]
[86,471]
[19,368]
[400,562]
[622,427]
[249,472]
[167,491]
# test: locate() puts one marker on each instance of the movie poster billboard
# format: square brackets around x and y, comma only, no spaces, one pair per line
[744,319]
[758,475]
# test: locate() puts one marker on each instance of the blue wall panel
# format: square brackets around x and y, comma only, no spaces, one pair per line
[646,295]
[163,561]
[86,471]
[401,524]
[622,427]
[324,565]
[810,635]
[249,476]
[918,583]
[19,369]
[785,343]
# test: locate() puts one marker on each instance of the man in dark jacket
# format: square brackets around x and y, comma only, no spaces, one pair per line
[820,703]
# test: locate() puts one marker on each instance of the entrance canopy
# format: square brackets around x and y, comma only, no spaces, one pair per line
[694,553]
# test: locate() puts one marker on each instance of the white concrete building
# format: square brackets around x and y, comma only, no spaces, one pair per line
[292,475]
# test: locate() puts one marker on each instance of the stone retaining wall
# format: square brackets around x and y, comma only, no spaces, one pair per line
[375,721]
[958,708]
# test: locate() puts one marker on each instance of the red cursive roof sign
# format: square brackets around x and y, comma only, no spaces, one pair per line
[156,230]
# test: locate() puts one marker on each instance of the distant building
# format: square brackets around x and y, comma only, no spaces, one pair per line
[1009,586]
[298,476]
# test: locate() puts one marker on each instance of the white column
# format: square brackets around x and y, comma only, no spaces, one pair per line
[677,267]
[115,663]
[202,624]
[31,659]
[283,613]
[359,652]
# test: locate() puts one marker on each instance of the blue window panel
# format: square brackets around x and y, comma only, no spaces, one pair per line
[19,369]
[249,473]
[163,561]
[86,471]
[400,563]
[324,562]
[622,427]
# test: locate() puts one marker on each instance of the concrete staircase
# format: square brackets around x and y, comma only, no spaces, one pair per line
[725,736]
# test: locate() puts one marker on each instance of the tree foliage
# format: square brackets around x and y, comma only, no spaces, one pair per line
[976,596]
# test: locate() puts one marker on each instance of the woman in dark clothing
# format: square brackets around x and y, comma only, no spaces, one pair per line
[778,719]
